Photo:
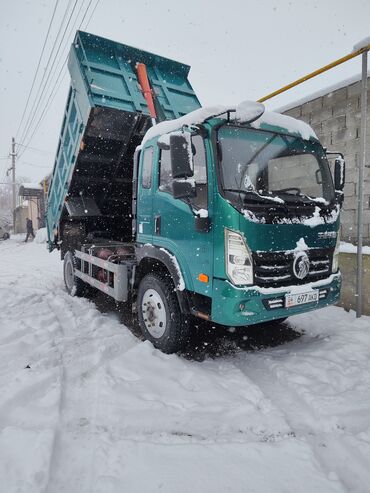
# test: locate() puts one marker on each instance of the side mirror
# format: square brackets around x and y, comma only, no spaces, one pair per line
[183,189]
[181,156]
[339,174]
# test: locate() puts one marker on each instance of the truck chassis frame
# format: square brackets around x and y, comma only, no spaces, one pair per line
[117,270]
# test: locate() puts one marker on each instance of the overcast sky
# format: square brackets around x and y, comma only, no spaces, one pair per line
[237,50]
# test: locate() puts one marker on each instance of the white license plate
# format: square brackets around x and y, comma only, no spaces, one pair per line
[301,298]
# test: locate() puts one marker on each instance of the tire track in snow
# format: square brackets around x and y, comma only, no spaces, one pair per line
[56,438]
[65,320]
[82,358]
[300,417]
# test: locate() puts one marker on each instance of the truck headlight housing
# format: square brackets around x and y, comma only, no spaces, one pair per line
[335,263]
[239,264]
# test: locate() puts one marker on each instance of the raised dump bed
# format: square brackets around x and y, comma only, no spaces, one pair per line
[105,119]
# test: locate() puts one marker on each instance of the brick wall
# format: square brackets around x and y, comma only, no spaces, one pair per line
[336,117]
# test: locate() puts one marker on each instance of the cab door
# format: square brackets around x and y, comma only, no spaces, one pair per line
[174,219]
[145,196]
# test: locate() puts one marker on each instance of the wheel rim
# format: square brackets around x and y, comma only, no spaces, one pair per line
[69,275]
[154,313]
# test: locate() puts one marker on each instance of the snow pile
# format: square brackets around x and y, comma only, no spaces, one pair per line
[41,235]
[181,283]
[315,220]
[252,217]
[193,118]
[288,123]
[350,248]
[301,246]
[364,43]
[247,111]
[203,213]
[86,406]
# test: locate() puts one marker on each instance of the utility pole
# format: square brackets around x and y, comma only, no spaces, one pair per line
[13,154]
[360,191]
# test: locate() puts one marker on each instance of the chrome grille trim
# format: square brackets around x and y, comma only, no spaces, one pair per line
[275,269]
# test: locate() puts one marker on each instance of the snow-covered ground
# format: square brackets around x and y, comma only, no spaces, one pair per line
[86,406]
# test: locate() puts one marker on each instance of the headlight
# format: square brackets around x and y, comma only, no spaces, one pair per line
[335,263]
[239,265]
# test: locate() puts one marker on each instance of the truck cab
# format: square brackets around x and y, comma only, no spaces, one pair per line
[249,211]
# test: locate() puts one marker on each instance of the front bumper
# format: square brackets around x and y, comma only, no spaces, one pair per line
[235,306]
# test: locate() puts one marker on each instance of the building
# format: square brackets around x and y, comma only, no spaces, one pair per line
[21,214]
[32,196]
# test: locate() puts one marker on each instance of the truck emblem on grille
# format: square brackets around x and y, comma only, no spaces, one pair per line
[323,235]
[301,265]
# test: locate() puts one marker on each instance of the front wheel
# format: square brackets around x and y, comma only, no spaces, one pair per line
[74,285]
[160,317]
[6,236]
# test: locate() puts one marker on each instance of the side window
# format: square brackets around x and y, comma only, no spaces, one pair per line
[200,172]
[165,172]
[147,164]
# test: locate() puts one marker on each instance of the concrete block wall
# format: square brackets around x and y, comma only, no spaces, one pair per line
[336,117]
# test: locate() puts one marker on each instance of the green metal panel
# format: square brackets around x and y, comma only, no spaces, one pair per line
[227,301]
[105,101]
[193,250]
[109,74]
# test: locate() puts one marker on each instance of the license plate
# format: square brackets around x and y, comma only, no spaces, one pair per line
[301,298]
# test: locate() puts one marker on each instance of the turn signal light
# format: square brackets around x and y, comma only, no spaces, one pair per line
[203,278]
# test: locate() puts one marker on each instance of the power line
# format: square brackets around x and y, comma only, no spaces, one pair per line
[58,79]
[38,66]
[48,102]
[34,148]
[87,8]
[92,13]
[33,108]
[5,168]
[47,86]
[33,164]
[43,84]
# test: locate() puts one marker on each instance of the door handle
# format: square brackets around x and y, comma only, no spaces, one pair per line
[157,225]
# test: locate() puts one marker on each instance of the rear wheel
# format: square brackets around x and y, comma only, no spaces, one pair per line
[6,236]
[74,285]
[160,317]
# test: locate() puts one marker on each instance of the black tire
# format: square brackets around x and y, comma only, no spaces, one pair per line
[173,334]
[6,236]
[74,285]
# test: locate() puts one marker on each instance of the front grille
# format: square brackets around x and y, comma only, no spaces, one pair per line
[275,269]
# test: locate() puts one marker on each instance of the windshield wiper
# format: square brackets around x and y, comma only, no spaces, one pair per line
[250,195]
[300,195]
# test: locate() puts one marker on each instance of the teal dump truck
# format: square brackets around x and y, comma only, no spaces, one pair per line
[229,214]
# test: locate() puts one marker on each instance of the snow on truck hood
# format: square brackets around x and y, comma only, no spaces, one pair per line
[247,111]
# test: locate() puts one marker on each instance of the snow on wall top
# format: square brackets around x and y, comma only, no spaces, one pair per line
[244,112]
[32,186]
[362,44]
[322,92]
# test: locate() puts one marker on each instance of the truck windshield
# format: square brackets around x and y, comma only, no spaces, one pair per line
[261,166]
